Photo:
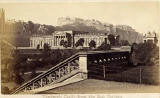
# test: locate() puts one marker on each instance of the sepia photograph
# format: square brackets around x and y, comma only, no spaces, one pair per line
[79,47]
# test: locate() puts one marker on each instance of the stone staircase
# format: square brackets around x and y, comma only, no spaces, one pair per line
[66,72]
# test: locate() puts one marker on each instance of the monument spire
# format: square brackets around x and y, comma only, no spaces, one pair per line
[2,20]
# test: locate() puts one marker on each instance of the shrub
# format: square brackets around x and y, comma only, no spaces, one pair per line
[92,44]
[80,42]
[104,46]
[5,90]
[147,53]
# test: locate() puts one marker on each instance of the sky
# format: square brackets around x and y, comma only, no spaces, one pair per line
[142,16]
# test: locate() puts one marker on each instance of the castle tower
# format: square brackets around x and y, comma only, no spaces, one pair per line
[2,21]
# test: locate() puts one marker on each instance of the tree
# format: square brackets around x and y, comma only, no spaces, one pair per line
[92,44]
[30,26]
[111,38]
[5,90]
[104,46]
[38,47]
[69,40]
[146,52]
[64,43]
[61,42]
[50,29]
[133,47]
[46,52]
[117,40]
[155,40]
[46,47]
[124,43]
[18,79]
[80,42]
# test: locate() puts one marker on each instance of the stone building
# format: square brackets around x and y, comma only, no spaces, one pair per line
[150,37]
[125,28]
[71,37]
[6,26]
[98,38]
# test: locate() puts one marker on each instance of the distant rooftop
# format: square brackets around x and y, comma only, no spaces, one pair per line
[150,35]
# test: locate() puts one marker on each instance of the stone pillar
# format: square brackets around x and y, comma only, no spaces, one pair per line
[30,43]
[34,43]
[56,41]
[83,63]
[83,66]
[52,42]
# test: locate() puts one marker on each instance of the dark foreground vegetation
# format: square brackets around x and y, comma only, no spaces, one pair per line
[146,56]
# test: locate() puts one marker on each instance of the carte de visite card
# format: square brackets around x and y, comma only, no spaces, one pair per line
[84,49]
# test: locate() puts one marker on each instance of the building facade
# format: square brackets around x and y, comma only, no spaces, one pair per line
[125,27]
[71,37]
[150,37]
[98,38]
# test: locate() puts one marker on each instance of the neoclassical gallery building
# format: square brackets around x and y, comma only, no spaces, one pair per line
[70,36]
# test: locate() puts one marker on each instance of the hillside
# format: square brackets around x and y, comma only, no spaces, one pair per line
[95,26]
[23,30]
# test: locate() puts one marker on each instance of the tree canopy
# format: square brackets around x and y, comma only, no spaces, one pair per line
[111,38]
[147,53]
[92,44]
[104,46]
[124,43]
[80,42]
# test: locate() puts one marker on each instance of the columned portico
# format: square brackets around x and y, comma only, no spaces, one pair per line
[71,37]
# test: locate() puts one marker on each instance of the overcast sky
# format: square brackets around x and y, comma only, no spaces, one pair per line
[142,16]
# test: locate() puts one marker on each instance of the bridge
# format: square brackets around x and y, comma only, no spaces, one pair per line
[78,67]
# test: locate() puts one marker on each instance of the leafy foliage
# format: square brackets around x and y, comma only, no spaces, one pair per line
[124,43]
[147,53]
[92,44]
[111,38]
[38,46]
[5,90]
[64,43]
[117,43]
[80,42]
[30,28]
[104,46]
[46,47]
[61,42]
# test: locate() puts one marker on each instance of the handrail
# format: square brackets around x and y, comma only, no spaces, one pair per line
[6,42]
[61,64]
[47,72]
[64,78]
